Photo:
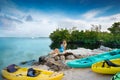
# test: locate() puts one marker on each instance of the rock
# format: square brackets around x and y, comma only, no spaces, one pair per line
[56,58]
[55,65]
[42,60]
[62,58]
[70,57]
[24,62]
[30,62]
[105,48]
[78,56]
[55,68]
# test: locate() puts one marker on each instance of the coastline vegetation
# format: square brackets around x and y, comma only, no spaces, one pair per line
[88,38]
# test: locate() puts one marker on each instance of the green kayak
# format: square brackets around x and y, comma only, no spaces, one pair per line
[116,76]
[88,61]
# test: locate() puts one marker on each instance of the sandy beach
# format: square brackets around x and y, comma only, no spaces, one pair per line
[84,74]
[80,74]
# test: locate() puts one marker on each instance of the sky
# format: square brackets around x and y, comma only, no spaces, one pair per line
[39,18]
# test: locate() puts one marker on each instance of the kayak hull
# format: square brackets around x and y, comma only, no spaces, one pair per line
[88,61]
[106,69]
[21,74]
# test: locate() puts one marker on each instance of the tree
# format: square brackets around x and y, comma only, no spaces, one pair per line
[115,28]
[60,34]
[96,28]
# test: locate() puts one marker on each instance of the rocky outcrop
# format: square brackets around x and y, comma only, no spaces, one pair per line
[57,62]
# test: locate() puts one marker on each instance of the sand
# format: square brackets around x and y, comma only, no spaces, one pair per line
[84,74]
[80,74]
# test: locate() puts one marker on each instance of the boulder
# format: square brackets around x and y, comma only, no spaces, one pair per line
[70,57]
[105,48]
[42,59]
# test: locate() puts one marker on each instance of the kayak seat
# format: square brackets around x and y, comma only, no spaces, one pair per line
[12,68]
[109,63]
[113,53]
[32,73]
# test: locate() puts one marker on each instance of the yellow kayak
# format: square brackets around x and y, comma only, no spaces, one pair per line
[107,66]
[22,74]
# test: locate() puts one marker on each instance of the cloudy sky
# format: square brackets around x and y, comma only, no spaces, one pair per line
[33,18]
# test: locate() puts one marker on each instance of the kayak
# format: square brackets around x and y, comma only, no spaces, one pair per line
[107,66]
[88,61]
[116,76]
[39,74]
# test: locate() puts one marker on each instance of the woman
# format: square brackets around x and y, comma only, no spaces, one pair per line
[56,52]
[63,46]
[61,49]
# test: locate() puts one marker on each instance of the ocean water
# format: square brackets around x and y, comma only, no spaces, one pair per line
[16,50]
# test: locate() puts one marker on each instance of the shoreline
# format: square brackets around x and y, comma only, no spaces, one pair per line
[79,73]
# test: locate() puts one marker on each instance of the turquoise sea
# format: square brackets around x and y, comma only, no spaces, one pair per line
[16,50]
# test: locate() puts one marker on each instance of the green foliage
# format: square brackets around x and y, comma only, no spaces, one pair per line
[88,37]
[115,28]
[60,34]
[74,36]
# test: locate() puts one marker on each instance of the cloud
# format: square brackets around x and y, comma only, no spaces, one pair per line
[10,8]
[35,23]
[44,24]
[85,24]
[31,29]
[95,12]
[91,14]
[8,22]
[11,19]
[41,25]
[29,18]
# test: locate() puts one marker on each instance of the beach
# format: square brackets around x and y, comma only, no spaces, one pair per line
[84,74]
[79,74]
[67,36]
